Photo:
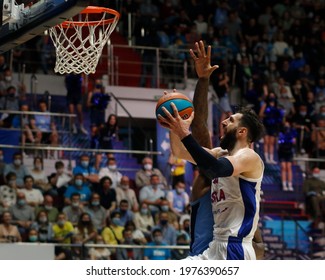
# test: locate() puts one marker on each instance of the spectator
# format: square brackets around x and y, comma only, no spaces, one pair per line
[143,176]
[165,207]
[89,172]
[32,236]
[10,85]
[78,186]
[63,230]
[60,181]
[178,199]
[157,253]
[169,233]
[128,253]
[302,122]
[48,207]
[22,214]
[318,139]
[96,212]
[272,119]
[8,233]
[137,235]
[152,194]
[18,168]
[112,172]
[314,191]
[44,227]
[124,192]
[86,229]
[108,132]
[74,210]
[143,220]
[99,253]
[177,169]
[47,126]
[71,253]
[112,233]
[286,150]
[107,194]
[34,197]
[126,214]
[8,192]
[73,84]
[41,181]
[179,254]
[97,102]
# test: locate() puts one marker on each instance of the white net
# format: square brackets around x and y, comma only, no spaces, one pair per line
[79,44]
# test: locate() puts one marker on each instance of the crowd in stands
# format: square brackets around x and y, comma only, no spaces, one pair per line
[92,205]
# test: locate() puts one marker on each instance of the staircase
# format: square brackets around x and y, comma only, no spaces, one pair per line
[281,245]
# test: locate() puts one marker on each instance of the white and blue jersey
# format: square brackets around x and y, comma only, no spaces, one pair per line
[235,207]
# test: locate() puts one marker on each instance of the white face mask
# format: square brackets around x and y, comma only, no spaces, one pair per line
[124,187]
[112,167]
[147,166]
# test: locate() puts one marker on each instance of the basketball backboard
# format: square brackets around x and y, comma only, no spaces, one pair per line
[21,22]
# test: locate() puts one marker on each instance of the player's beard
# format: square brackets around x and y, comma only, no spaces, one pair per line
[228,141]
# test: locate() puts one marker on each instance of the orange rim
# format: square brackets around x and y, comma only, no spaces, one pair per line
[93,10]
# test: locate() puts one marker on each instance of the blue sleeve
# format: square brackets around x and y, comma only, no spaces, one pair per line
[208,164]
[68,192]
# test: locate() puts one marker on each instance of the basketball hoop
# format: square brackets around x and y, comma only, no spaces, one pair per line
[79,44]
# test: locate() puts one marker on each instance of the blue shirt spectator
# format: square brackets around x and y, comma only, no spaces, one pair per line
[78,187]
[157,253]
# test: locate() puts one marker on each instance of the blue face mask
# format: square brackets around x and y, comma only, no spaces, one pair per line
[33,238]
[85,163]
[144,211]
[116,221]
[21,202]
[164,208]
[78,182]
[95,203]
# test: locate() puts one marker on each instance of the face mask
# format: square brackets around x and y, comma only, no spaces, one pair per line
[163,222]
[85,223]
[158,239]
[187,228]
[78,182]
[303,114]
[116,221]
[17,162]
[33,238]
[164,208]
[61,222]
[155,186]
[21,202]
[95,203]
[122,211]
[43,220]
[84,163]
[8,78]
[98,86]
[112,167]
[316,175]
[100,242]
[48,207]
[124,187]
[75,204]
[1,158]
[323,114]
[144,211]
[147,166]
[179,190]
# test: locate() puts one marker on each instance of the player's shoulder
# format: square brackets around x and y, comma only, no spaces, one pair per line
[248,153]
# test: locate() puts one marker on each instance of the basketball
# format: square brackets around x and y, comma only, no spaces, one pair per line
[183,104]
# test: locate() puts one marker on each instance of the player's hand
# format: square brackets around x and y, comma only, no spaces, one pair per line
[202,60]
[175,123]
